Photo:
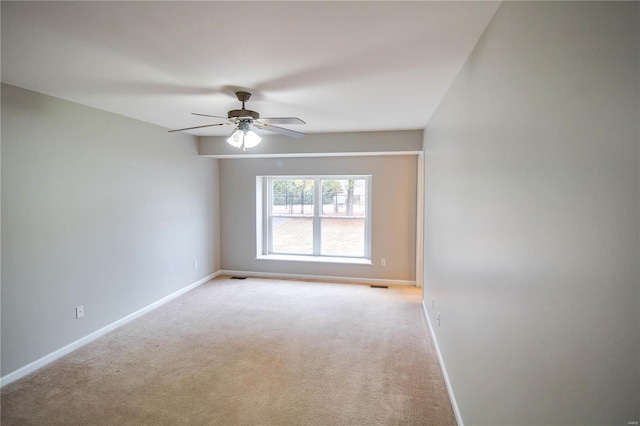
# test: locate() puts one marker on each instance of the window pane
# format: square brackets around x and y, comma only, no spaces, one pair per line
[292,196]
[342,237]
[292,235]
[341,226]
[344,197]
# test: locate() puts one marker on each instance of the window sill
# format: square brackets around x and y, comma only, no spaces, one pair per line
[318,259]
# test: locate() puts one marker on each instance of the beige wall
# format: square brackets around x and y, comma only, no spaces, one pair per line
[532,218]
[97,210]
[393,214]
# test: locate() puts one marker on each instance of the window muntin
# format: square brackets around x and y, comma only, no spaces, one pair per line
[337,226]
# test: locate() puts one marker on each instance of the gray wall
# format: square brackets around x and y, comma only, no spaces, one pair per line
[532,218]
[393,214]
[97,210]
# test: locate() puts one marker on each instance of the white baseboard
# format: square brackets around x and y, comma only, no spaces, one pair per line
[39,363]
[317,277]
[454,404]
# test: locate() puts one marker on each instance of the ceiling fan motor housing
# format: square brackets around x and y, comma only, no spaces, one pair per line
[243,113]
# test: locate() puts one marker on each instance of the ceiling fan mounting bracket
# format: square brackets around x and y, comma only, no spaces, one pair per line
[243,96]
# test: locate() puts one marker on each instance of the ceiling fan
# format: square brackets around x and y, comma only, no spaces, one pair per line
[244,120]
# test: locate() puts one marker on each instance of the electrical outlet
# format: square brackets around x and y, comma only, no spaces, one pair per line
[438,319]
[195,264]
[79,311]
[383,262]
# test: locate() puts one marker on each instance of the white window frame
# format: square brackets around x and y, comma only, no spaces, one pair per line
[264,219]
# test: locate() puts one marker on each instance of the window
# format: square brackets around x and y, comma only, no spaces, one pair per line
[320,217]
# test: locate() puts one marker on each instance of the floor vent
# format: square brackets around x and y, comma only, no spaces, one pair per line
[238,278]
[379,286]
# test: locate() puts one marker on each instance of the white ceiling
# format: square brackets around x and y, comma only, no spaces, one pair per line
[340,66]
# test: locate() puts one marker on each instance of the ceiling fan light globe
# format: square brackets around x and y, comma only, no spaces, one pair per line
[244,139]
[236,138]
[251,139]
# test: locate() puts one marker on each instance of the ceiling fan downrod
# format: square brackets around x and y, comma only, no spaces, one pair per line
[243,113]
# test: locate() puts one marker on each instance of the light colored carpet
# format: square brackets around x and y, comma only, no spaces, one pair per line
[250,352]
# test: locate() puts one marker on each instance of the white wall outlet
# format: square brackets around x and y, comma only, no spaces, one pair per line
[79,311]
[438,319]
[195,264]
[383,262]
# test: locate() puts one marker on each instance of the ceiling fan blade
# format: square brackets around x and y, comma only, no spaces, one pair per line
[282,120]
[198,127]
[207,115]
[282,131]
